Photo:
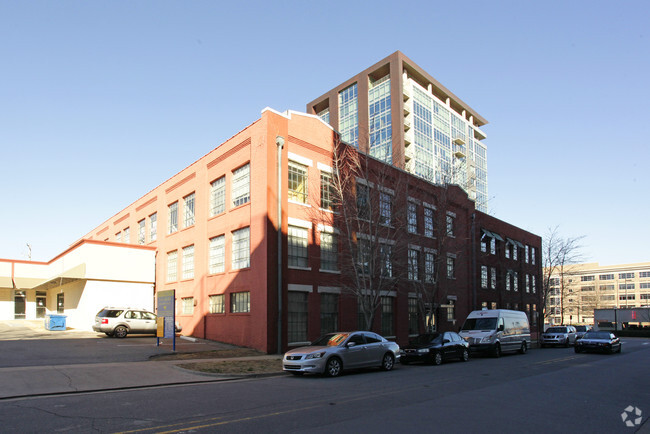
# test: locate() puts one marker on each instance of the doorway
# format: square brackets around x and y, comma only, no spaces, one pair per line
[60,307]
[19,304]
[41,304]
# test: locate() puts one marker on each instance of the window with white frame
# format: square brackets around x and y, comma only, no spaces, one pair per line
[484,276]
[241,186]
[363,255]
[386,259]
[526,254]
[297,245]
[363,201]
[329,251]
[413,264]
[118,237]
[527,279]
[412,218]
[429,267]
[297,316]
[532,255]
[127,235]
[142,231]
[188,262]
[644,274]
[297,189]
[428,222]
[217,259]
[240,302]
[533,284]
[172,219]
[493,278]
[450,225]
[153,227]
[217,304]
[508,280]
[218,196]
[451,267]
[515,281]
[172,266]
[626,275]
[327,196]
[385,208]
[187,306]
[188,210]
[241,252]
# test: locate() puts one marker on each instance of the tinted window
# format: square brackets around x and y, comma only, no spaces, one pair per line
[106,313]
[357,339]
[330,340]
[147,315]
[556,330]
[371,338]
[480,324]
[425,339]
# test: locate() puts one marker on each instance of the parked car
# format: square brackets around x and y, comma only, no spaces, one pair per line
[497,330]
[558,335]
[581,330]
[435,348]
[335,352]
[605,342]
[121,321]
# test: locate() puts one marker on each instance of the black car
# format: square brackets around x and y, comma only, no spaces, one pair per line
[605,342]
[434,348]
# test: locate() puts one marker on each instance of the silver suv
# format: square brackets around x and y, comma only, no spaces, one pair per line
[120,321]
[558,335]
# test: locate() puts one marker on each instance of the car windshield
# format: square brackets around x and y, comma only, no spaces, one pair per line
[330,340]
[426,339]
[581,328]
[480,324]
[109,313]
[556,330]
[596,335]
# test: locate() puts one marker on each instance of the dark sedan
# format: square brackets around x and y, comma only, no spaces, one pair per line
[605,342]
[435,348]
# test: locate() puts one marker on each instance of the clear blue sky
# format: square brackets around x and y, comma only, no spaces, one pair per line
[102,101]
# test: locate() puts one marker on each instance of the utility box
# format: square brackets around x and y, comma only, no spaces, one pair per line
[55,322]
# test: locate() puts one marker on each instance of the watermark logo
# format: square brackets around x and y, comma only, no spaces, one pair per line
[631,416]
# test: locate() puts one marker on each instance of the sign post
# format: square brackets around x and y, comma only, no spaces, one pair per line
[166,322]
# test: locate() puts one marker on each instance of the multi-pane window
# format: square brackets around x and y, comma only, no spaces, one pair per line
[325,115]
[240,302]
[173,218]
[508,280]
[188,211]
[363,256]
[241,252]
[526,254]
[297,316]
[412,218]
[606,277]
[626,275]
[142,231]
[127,235]
[172,266]
[484,276]
[429,267]
[451,267]
[380,125]
[297,182]
[428,222]
[349,115]
[153,227]
[363,201]
[329,313]
[413,264]
[326,191]
[532,255]
[527,279]
[217,259]
[241,186]
[414,316]
[217,304]
[118,237]
[533,283]
[218,196]
[386,259]
[515,281]
[627,297]
[385,208]
[493,278]
[297,243]
[643,274]
[387,316]
[450,225]
[329,251]
[451,310]
[626,286]
[188,262]
[587,278]
[187,306]
[644,285]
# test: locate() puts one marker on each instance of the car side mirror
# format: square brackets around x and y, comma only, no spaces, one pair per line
[350,344]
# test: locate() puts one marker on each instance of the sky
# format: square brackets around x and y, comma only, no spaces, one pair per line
[101,102]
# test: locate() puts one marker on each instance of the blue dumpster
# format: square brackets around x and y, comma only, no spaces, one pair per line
[55,322]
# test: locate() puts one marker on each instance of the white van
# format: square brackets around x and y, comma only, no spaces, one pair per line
[496,331]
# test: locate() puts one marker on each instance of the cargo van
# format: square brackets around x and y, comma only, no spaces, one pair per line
[496,331]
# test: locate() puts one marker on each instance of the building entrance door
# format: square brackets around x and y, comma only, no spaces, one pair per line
[60,305]
[19,304]
[41,301]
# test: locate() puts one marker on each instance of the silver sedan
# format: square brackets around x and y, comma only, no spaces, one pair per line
[335,352]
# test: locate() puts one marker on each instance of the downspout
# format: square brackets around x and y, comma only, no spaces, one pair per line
[473,266]
[279,141]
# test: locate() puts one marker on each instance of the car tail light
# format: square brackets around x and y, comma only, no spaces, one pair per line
[104,320]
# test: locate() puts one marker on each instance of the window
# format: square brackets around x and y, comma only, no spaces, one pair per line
[187,306]
[217,259]
[297,182]
[217,304]
[387,316]
[349,115]
[533,318]
[627,297]
[329,251]
[451,267]
[118,237]
[153,226]
[587,288]
[532,255]
[240,302]
[297,316]
[218,196]
[606,277]
[493,278]
[329,313]
[173,218]
[493,246]
[241,185]
[413,264]
[607,297]
[172,266]
[429,267]
[142,231]
[241,249]
[533,284]
[515,281]
[484,276]
[626,286]
[644,274]
[326,191]
[297,243]
[644,285]
[451,310]
[526,254]
[363,202]
[412,218]
[188,262]
[414,316]
[644,296]
[127,235]
[428,222]
[527,279]
[386,260]
[385,208]
[363,256]
[626,275]
[188,211]
[587,278]
[450,225]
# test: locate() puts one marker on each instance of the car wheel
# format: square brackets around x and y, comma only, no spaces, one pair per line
[333,367]
[497,351]
[388,362]
[465,356]
[120,332]
[524,348]
[437,358]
